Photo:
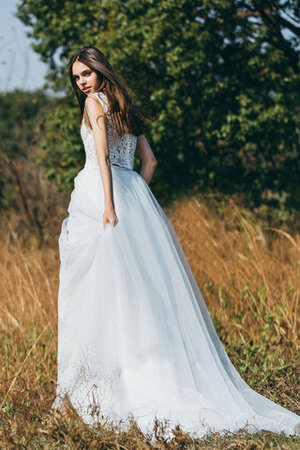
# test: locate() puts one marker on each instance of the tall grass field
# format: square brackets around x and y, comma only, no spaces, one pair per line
[249,275]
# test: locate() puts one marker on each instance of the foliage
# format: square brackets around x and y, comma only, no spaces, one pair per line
[26,198]
[219,78]
[61,158]
[20,117]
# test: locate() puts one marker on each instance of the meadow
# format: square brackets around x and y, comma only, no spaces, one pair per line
[248,272]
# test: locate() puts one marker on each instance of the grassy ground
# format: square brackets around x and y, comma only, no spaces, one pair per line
[249,277]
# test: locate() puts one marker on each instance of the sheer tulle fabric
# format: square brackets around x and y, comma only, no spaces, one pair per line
[134,334]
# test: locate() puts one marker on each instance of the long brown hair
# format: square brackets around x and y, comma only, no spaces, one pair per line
[125,114]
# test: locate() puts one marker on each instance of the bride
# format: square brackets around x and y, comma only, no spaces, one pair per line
[135,338]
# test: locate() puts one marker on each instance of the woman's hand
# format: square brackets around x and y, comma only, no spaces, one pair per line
[109,216]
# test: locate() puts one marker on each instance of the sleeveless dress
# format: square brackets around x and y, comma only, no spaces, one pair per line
[135,338]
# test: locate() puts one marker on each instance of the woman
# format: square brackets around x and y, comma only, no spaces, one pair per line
[134,335]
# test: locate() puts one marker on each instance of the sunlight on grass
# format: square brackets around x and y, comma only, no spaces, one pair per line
[249,277]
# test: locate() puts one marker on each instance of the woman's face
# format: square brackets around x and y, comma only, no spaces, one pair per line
[86,79]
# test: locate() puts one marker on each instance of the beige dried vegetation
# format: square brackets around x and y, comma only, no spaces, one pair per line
[249,277]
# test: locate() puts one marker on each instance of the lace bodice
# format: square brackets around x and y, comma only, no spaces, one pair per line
[121,148]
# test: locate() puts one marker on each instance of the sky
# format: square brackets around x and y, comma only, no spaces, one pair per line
[20,66]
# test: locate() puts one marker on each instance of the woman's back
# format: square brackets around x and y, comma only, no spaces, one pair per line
[121,148]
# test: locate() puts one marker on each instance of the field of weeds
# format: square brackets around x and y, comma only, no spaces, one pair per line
[249,276]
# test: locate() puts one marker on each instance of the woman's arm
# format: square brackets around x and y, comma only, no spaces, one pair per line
[96,115]
[148,159]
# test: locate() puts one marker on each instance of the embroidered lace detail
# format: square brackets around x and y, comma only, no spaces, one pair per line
[88,383]
[120,148]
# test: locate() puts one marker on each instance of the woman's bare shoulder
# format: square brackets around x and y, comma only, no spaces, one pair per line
[93,105]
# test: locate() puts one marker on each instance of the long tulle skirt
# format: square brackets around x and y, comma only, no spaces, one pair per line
[135,338]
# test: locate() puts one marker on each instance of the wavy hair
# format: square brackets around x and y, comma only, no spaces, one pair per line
[124,112]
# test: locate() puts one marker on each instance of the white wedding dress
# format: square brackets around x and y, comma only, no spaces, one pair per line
[135,337]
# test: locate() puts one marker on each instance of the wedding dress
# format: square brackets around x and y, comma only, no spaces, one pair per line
[135,337]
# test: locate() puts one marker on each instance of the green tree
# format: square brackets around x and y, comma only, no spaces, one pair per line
[20,116]
[25,197]
[219,78]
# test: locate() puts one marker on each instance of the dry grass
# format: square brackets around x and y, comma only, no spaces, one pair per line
[249,277]
[245,271]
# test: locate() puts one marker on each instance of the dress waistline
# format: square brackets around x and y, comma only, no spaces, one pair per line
[87,166]
[120,167]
